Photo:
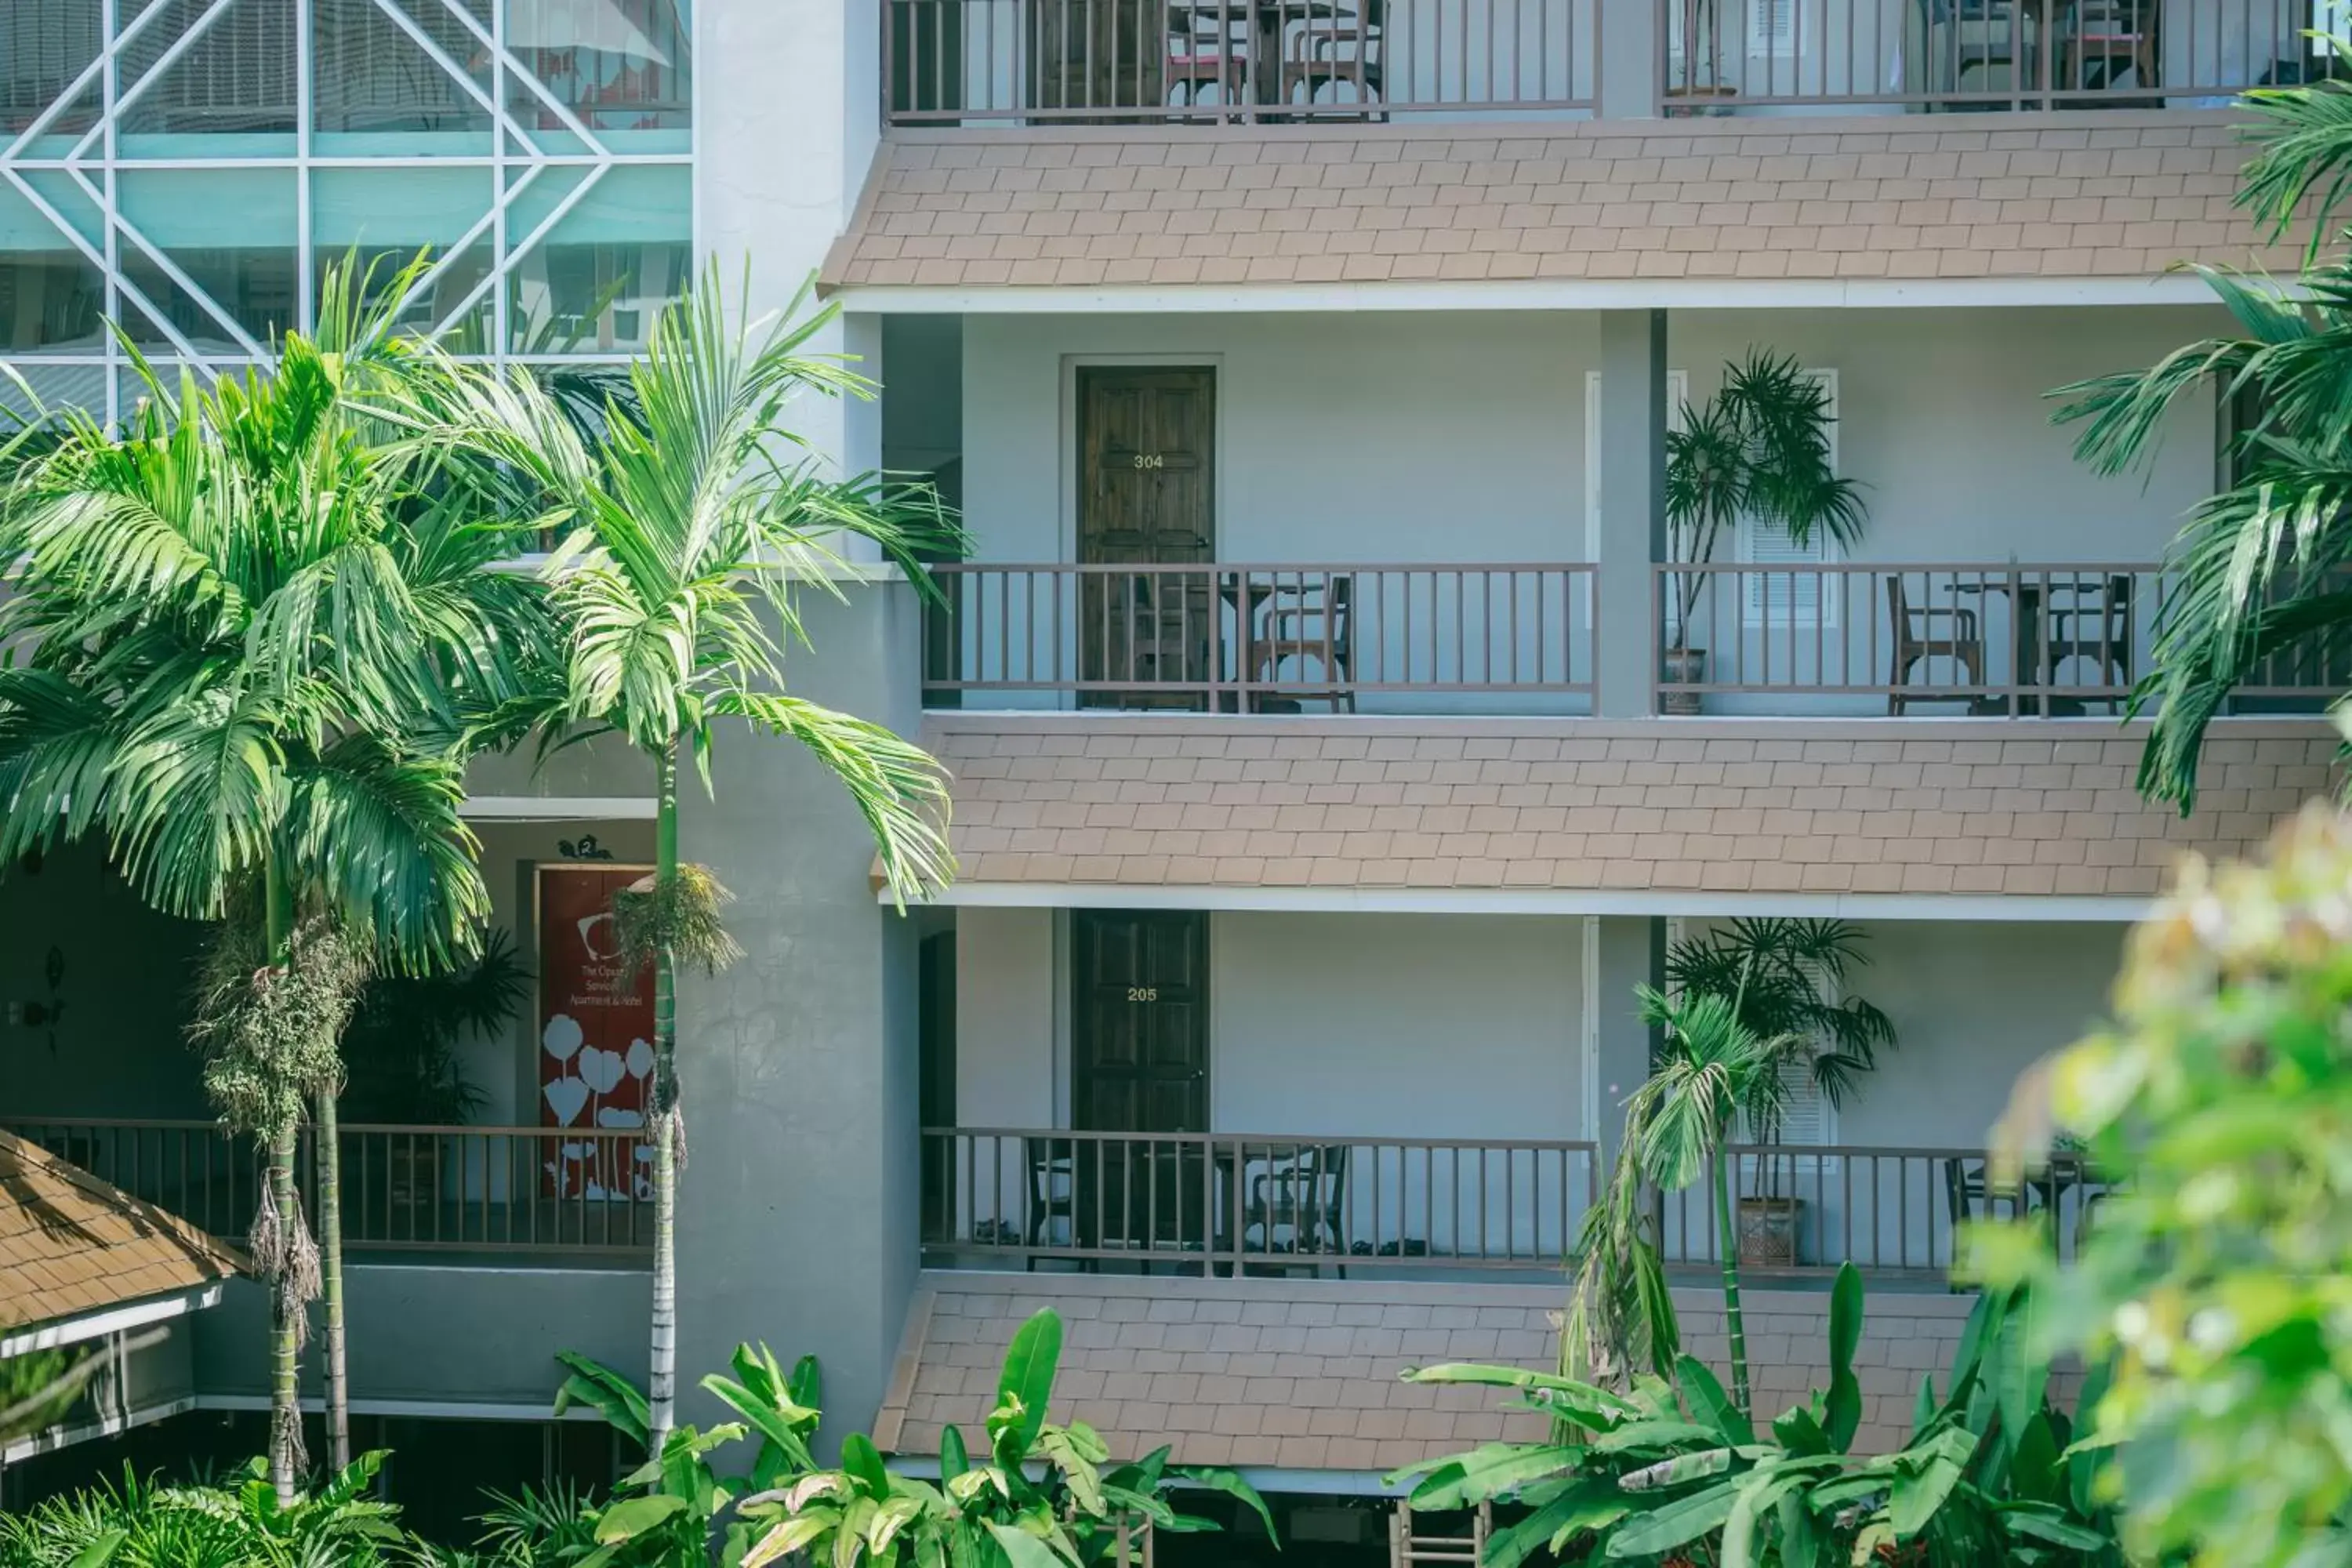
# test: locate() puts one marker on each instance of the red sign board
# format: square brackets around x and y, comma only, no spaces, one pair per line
[595,1039]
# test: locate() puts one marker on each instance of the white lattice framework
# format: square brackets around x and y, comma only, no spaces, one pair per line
[523,150]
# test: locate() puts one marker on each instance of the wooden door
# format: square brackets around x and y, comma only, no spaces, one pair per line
[1146,486]
[1140,1064]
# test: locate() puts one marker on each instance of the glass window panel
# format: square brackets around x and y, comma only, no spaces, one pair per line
[595,283]
[617,64]
[234,80]
[231,232]
[51,301]
[59,386]
[385,219]
[373,78]
[43,48]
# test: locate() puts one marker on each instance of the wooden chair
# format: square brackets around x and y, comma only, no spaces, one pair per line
[2103,39]
[1208,46]
[1052,1191]
[1318,625]
[1996,38]
[1349,47]
[1917,640]
[1305,1191]
[2094,624]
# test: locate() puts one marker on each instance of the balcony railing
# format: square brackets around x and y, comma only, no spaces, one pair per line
[404,1189]
[1887,1211]
[2014,640]
[1253,638]
[1981,54]
[1242,1201]
[1221,1203]
[1219,61]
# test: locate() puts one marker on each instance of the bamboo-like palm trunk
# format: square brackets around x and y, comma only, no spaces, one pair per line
[1728,1240]
[661,1390]
[285,1339]
[330,1271]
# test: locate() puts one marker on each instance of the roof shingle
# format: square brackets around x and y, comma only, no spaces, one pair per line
[70,1244]
[2086,195]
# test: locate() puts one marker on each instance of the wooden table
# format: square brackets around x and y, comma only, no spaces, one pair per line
[2027,623]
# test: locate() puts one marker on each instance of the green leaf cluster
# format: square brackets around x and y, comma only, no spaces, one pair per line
[142,1524]
[1675,1471]
[2216,1272]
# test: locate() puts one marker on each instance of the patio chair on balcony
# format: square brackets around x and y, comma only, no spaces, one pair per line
[1312,628]
[1924,633]
[1208,47]
[1297,1206]
[2093,622]
[2106,44]
[1053,1194]
[1975,46]
[1346,50]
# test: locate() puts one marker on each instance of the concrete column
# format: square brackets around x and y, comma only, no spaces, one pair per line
[1631,952]
[797,1214]
[1632,509]
[1632,47]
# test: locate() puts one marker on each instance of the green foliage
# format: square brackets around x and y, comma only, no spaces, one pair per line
[401,1047]
[144,1524]
[1760,448]
[1675,1471]
[38,1387]
[2217,1272]
[1620,1318]
[1774,969]
[2259,571]
[1046,1496]
[270,1031]
[680,915]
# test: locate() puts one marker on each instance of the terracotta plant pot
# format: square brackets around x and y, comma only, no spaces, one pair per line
[1768,1231]
[1682,667]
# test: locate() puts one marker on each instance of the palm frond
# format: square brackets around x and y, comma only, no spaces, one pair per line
[380,835]
[2304,135]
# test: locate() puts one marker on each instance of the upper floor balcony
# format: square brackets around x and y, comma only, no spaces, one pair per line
[1224,62]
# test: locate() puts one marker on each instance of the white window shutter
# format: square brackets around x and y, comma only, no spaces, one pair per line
[1772,27]
[1809,1119]
[1783,600]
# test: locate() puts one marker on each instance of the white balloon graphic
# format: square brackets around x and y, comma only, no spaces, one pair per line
[641,1058]
[613,1116]
[601,1069]
[563,1037]
[567,1097]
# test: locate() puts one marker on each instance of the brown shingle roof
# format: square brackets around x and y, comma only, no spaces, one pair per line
[71,1245]
[2081,196]
[1302,1374]
[1956,806]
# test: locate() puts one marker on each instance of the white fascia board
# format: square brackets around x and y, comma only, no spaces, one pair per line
[1535,294]
[114,1320]
[1543,901]
[428,1409]
[58,1437]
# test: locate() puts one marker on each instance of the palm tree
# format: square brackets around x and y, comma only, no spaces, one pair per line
[691,534]
[1713,1072]
[2260,585]
[260,631]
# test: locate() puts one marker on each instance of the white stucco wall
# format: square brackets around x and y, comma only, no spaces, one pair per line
[1008,1063]
[1460,437]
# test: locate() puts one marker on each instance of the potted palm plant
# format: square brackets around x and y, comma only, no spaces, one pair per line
[1759,448]
[1785,980]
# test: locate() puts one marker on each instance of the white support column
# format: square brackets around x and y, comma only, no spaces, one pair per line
[1630,952]
[1633,456]
[1632,52]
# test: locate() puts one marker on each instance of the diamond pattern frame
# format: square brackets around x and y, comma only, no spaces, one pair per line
[525,108]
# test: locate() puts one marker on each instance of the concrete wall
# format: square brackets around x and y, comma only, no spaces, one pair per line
[118,1048]
[444,1334]
[606,767]
[797,1222]
[1461,436]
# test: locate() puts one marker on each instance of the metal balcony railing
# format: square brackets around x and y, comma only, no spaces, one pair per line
[1718,55]
[404,1189]
[2024,639]
[1886,1210]
[1324,1201]
[976,62]
[1254,638]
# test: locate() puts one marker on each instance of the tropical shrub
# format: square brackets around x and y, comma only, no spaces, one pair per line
[2217,1270]
[143,1524]
[1675,1471]
[989,1512]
